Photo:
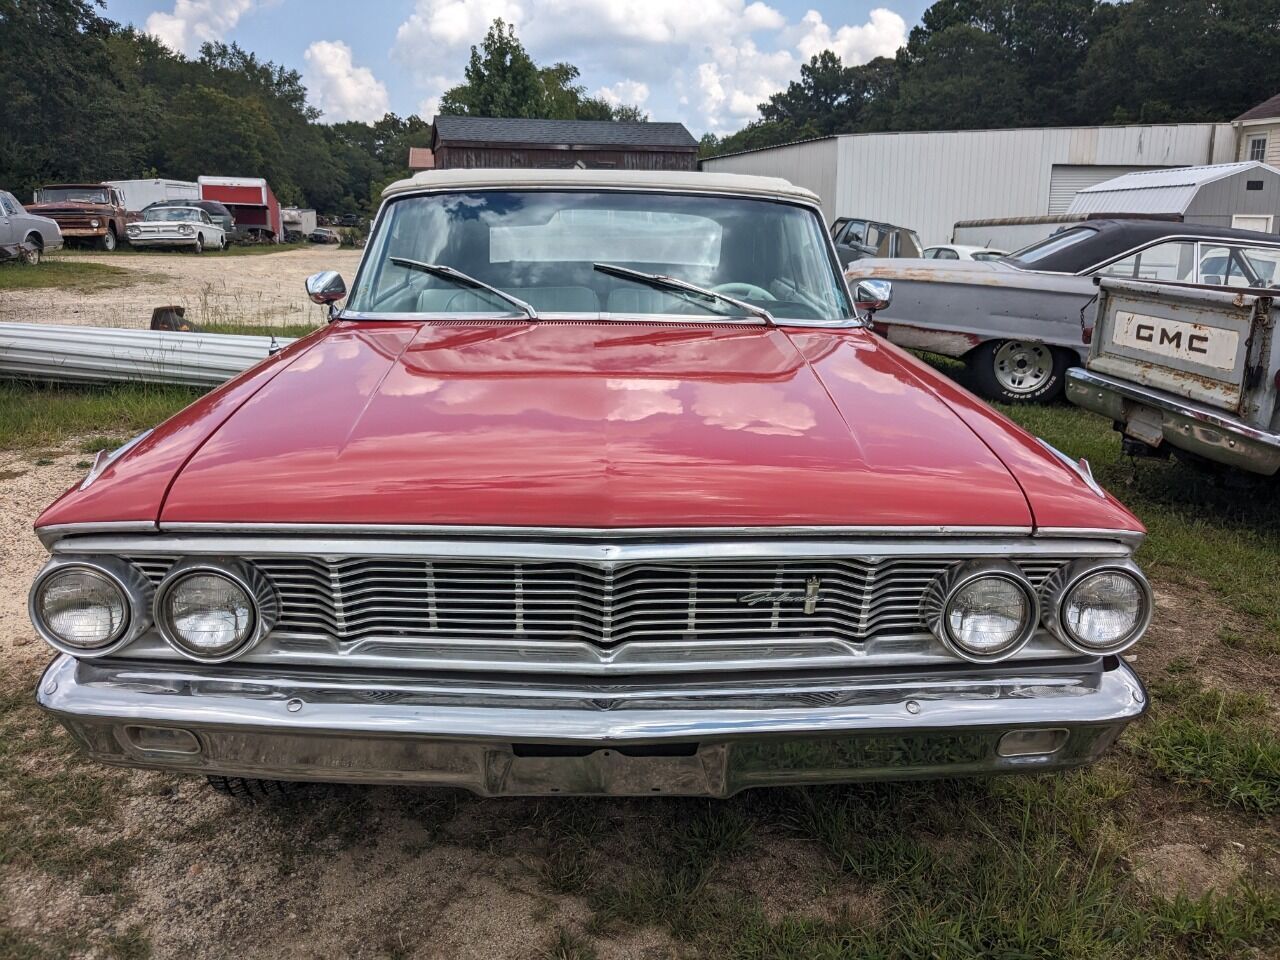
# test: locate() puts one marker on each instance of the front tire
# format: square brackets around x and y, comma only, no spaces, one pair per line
[107,242]
[247,790]
[199,247]
[1019,371]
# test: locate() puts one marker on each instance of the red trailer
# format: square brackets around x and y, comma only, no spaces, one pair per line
[250,201]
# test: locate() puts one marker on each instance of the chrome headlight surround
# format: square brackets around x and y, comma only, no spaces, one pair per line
[1058,587]
[938,598]
[262,599]
[132,584]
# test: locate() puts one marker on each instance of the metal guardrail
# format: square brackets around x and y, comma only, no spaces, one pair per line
[37,351]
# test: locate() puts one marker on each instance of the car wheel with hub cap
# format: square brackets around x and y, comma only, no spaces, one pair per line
[107,241]
[1019,371]
[199,247]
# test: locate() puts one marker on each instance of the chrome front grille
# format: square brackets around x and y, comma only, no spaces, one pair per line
[351,599]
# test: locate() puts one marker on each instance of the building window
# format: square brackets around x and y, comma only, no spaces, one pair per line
[1258,148]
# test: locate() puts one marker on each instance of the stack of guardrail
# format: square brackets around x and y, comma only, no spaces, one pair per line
[36,351]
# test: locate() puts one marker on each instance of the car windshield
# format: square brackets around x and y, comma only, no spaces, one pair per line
[543,247]
[171,213]
[77,194]
[1030,255]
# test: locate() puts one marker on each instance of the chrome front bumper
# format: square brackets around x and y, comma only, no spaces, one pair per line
[1183,424]
[512,737]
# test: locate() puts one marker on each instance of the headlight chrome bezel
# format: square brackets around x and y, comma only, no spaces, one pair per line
[132,584]
[1058,588]
[941,593]
[248,578]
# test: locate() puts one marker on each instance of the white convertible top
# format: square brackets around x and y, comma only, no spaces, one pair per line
[654,180]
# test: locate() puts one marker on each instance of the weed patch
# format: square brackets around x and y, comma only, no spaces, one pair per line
[34,415]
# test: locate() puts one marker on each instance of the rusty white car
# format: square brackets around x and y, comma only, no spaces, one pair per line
[596,483]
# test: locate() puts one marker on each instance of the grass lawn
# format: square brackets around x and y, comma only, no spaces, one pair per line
[67,274]
[1019,868]
[40,416]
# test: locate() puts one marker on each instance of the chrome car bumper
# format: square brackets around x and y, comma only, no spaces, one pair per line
[511,737]
[1183,424]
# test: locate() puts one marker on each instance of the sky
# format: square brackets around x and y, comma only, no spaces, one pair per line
[706,63]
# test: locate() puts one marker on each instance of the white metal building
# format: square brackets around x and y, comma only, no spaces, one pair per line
[1243,195]
[929,180]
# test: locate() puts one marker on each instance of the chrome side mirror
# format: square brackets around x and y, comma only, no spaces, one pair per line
[871,296]
[326,287]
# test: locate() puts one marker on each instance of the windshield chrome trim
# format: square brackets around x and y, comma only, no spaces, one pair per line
[702,320]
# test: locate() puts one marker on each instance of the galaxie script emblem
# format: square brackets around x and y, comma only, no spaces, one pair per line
[812,586]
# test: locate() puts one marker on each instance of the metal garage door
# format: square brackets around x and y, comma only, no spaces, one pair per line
[1067,179]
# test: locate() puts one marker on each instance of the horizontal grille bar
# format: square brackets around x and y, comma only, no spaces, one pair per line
[354,599]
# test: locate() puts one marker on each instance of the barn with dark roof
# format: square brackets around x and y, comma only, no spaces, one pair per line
[590,144]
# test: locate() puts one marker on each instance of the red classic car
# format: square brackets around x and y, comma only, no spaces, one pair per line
[598,483]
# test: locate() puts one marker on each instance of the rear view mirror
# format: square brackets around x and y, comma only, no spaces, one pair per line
[870,296]
[326,287]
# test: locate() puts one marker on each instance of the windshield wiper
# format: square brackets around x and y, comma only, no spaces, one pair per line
[457,276]
[676,285]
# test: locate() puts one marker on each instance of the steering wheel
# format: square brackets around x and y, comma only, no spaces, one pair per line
[744,291]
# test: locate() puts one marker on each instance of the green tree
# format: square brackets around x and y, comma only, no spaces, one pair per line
[501,80]
[70,109]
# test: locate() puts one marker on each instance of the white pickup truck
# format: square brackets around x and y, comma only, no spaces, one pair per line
[1194,368]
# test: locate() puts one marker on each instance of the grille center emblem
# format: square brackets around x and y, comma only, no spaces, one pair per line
[809,598]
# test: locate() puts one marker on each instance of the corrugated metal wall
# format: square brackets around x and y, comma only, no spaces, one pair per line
[929,180]
[811,165]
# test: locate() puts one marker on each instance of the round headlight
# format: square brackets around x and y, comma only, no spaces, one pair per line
[1104,611]
[94,223]
[988,615]
[208,614]
[81,608]
[983,610]
[186,229]
[214,609]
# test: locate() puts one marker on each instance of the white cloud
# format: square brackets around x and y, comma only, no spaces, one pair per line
[194,22]
[339,88]
[881,36]
[450,24]
[429,108]
[708,62]
[624,91]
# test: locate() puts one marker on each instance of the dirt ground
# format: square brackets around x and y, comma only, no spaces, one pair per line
[257,288]
[434,874]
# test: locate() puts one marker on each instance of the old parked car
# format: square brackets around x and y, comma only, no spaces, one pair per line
[1017,322]
[217,212]
[325,235]
[187,228]
[24,235]
[959,251]
[857,239]
[92,213]
[1193,369]
[596,484]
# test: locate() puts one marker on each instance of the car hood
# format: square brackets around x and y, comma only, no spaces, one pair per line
[596,425]
[68,207]
[592,424]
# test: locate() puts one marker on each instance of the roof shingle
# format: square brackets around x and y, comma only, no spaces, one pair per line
[1263,111]
[593,133]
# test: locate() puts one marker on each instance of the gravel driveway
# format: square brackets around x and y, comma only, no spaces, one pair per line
[250,288]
